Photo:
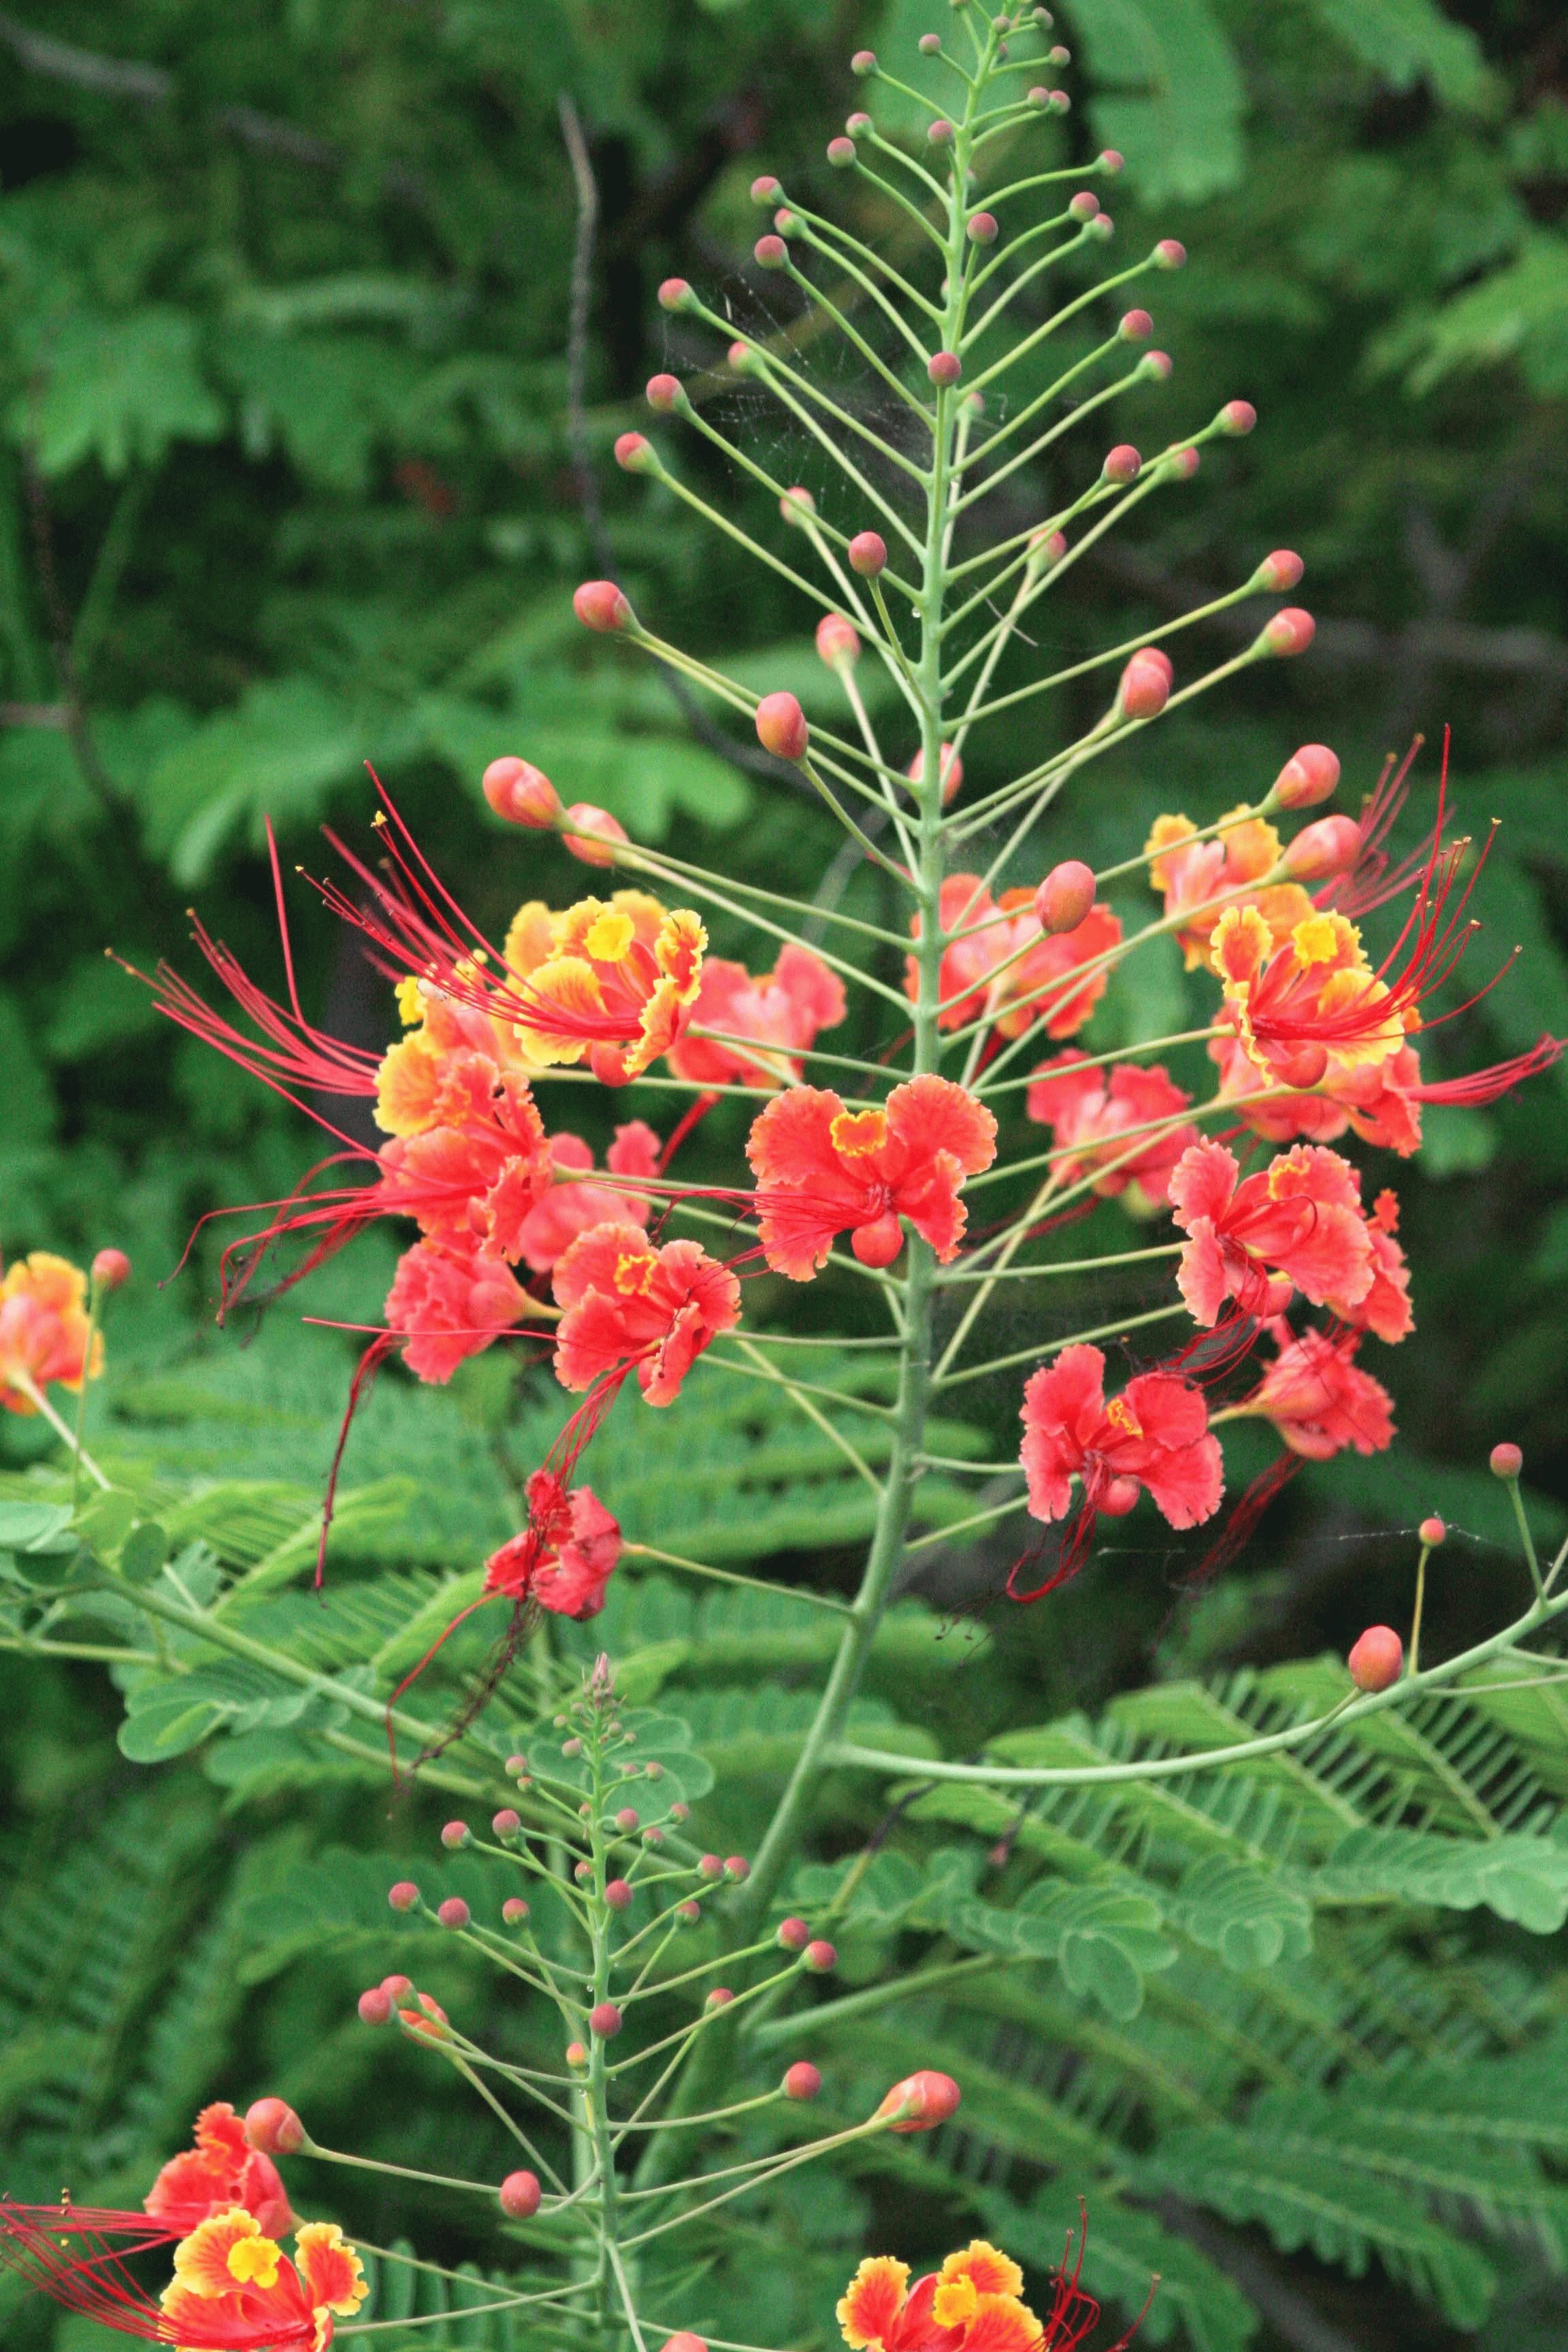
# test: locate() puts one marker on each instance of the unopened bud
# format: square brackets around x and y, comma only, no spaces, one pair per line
[517,1764]
[736,1867]
[1280,571]
[801,2080]
[582,1871]
[652,1772]
[720,1998]
[982,228]
[921,2101]
[272,2127]
[680,1813]
[1145,685]
[781,726]
[455,1835]
[514,1910]
[605,2021]
[599,604]
[1236,418]
[944,368]
[399,1987]
[689,1913]
[1507,1460]
[841,152]
[375,2007]
[1111,162]
[1377,1660]
[1289,632]
[820,1957]
[837,641]
[867,552]
[577,2054]
[1184,464]
[1058,55]
[929,45]
[404,1896]
[666,394]
[1155,367]
[111,1269]
[1066,896]
[742,359]
[785,222]
[1170,254]
[1136,327]
[675,294]
[766,190]
[1057,102]
[770,251]
[634,453]
[654,1836]
[454,1912]
[1309,776]
[506,1823]
[863,62]
[1432,1533]
[519,2196]
[618,1895]
[590,834]
[1084,206]
[1122,464]
[710,1867]
[796,503]
[1039,97]
[793,1935]
[950,767]
[940,133]
[857,125]
[1330,846]
[1046,548]
[683,2340]
[627,1818]
[521,793]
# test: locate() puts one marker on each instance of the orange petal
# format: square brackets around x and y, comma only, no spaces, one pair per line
[869,2307]
[202,2261]
[984,2268]
[1002,2324]
[331,2271]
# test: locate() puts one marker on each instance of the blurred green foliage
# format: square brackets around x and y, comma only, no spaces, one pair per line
[286,484]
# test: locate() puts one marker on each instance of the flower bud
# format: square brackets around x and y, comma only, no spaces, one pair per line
[1145,688]
[929,45]
[766,190]
[837,641]
[796,503]
[742,359]
[1058,55]
[863,62]
[1136,327]
[1330,846]
[1377,1659]
[982,228]
[1112,161]
[785,222]
[599,604]
[1039,97]
[820,1957]
[1280,571]
[736,1868]
[653,1771]
[857,125]
[272,2127]
[583,1871]
[666,394]
[627,1818]
[689,1913]
[618,1895]
[1084,206]
[577,2054]
[944,368]
[1507,1460]
[1057,102]
[1309,776]
[1236,418]
[514,1910]
[455,1835]
[1122,464]
[1066,896]
[111,1269]
[710,1867]
[399,1987]
[770,251]
[940,133]
[781,726]
[634,453]
[605,2021]
[841,152]
[801,2080]
[921,2101]
[720,1998]
[521,793]
[683,2340]
[517,1764]
[680,1813]
[1170,254]
[1155,367]
[404,1896]
[506,1823]
[867,552]
[375,2007]
[675,294]
[793,1935]
[1046,548]
[1290,631]
[1304,1067]
[654,1837]
[1432,1533]
[602,830]
[519,2196]
[952,771]
[454,1912]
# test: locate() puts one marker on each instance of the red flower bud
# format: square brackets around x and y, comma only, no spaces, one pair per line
[653,1837]
[793,1935]
[517,1764]
[951,770]
[1377,1660]
[837,641]
[863,62]
[590,834]
[770,251]
[1170,254]
[1136,327]
[680,1813]
[521,793]
[941,132]
[720,1998]
[683,2340]
[627,1818]
[675,294]
[820,1957]
[1145,685]
[1307,777]
[456,1834]
[605,2021]
[1111,162]
[1289,632]
[635,453]
[1330,846]
[110,1268]
[1058,55]
[1432,1533]
[454,1912]
[921,2101]
[618,1895]
[689,1913]
[1507,1460]
[506,1823]
[796,502]
[929,45]
[1064,899]
[375,2007]
[736,1867]
[710,1867]
[877,1242]
[944,368]
[801,2080]
[519,2196]
[982,228]
[840,152]
[404,1896]
[397,1986]
[664,393]
[272,2127]
[766,190]
[649,1771]
[1039,96]
[1236,418]
[1084,206]
[600,604]
[576,2055]
[1156,367]
[867,552]
[1047,547]
[1280,571]
[781,726]
[514,1910]
[857,125]
[742,359]
[1122,464]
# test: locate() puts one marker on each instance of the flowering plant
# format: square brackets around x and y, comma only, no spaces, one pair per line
[883,1187]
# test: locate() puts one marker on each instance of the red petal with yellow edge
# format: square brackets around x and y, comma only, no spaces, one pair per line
[331,2271]
[1002,2324]
[679,951]
[984,2268]
[869,2307]
[531,941]
[218,2126]
[201,2260]
[1242,943]
[928,1115]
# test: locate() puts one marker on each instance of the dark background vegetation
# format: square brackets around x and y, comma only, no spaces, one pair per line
[286,484]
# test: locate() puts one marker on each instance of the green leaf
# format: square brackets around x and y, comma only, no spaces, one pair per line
[1250,1916]
[35,1527]
[1407,41]
[1166,93]
[277,754]
[1524,1879]
[120,389]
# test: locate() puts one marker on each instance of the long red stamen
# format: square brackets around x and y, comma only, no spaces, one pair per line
[1490,1085]
[40,2241]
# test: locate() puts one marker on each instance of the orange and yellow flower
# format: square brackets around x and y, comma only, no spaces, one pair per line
[232,2284]
[221,2171]
[971,2305]
[1310,1004]
[1000,961]
[611,982]
[44,1329]
[1197,877]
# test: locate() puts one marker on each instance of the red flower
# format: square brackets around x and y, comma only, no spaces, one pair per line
[1319,1400]
[473,1179]
[567,1210]
[1380,1100]
[222,2171]
[43,1329]
[971,2304]
[1154,1436]
[1386,1308]
[822,1169]
[1039,982]
[1297,1226]
[229,2275]
[629,1304]
[781,1014]
[449,1302]
[611,984]
[564,1557]
[1094,1108]
[1196,874]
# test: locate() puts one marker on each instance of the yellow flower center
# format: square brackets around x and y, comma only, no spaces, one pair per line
[253,2262]
[410,1001]
[609,937]
[634,1273]
[1325,939]
[1120,1415]
[855,1132]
